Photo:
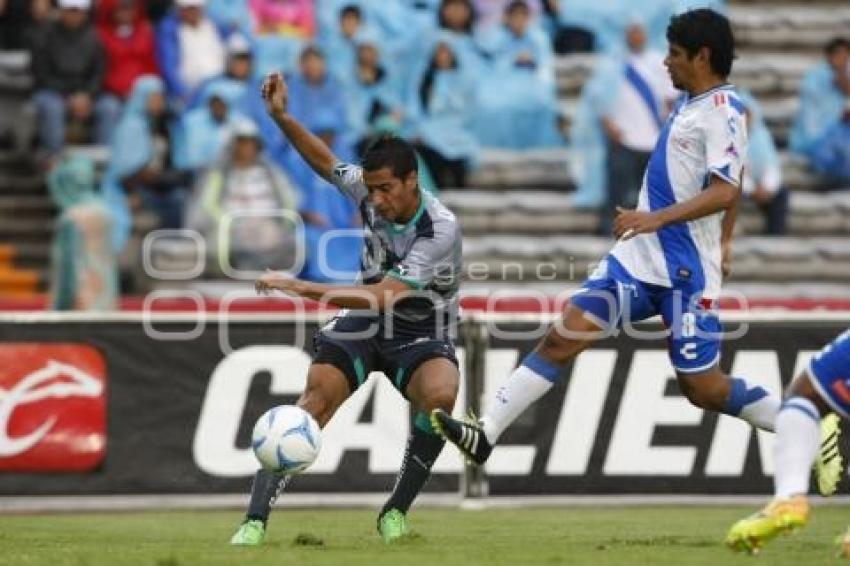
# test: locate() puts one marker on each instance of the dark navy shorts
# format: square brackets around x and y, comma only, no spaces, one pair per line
[358,344]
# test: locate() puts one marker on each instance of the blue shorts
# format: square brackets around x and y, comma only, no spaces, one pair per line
[611,297]
[829,371]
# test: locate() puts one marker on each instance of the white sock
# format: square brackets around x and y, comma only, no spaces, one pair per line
[524,386]
[762,413]
[797,444]
[753,404]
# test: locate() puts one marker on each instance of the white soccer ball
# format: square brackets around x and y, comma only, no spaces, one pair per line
[286,439]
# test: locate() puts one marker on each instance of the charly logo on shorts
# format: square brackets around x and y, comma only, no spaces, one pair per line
[52,407]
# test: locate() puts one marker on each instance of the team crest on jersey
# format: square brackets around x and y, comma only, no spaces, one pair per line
[347,173]
[732,151]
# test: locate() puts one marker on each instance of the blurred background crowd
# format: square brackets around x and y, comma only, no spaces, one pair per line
[146,114]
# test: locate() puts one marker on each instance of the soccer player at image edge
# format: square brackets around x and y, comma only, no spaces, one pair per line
[822,388]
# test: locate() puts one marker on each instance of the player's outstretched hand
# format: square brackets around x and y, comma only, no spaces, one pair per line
[630,223]
[274,280]
[275,94]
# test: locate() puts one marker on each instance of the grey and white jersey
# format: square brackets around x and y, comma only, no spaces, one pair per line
[425,253]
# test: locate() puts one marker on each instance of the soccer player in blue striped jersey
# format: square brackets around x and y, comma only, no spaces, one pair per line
[670,257]
[822,388]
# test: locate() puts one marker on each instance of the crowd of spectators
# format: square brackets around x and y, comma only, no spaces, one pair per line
[171,87]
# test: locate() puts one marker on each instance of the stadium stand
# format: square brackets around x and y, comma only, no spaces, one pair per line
[518,208]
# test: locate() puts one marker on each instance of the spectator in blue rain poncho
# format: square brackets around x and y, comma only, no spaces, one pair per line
[341,42]
[332,232]
[316,99]
[244,207]
[457,20]
[141,173]
[763,173]
[331,220]
[372,96]
[403,27]
[517,106]
[821,129]
[439,114]
[823,97]
[84,273]
[205,130]
[620,113]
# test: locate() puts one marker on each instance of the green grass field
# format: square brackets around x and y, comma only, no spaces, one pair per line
[598,536]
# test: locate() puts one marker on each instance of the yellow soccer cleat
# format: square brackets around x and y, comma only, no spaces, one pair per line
[779,516]
[829,463]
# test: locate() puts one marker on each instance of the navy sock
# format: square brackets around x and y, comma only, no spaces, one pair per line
[423,448]
[264,491]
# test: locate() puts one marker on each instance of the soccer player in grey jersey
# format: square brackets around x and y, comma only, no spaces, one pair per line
[399,319]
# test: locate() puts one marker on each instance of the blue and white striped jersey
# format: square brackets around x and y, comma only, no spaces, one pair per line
[706,136]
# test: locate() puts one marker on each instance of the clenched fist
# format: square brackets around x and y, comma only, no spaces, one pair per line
[275,94]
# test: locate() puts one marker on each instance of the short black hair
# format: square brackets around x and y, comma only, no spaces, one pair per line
[392,152]
[351,10]
[695,29]
[311,50]
[835,44]
[473,15]
[515,5]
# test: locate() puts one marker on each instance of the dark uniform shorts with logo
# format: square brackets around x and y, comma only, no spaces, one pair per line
[360,344]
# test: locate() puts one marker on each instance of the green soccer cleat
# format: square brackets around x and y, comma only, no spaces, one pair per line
[779,516]
[829,464]
[250,533]
[392,525]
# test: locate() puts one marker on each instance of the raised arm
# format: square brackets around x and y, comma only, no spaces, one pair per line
[314,151]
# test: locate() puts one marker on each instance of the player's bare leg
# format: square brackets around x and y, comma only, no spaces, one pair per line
[798,439]
[433,385]
[535,376]
[326,389]
[713,390]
